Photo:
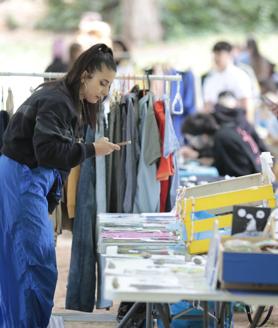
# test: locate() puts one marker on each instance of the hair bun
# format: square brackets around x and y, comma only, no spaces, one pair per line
[105,49]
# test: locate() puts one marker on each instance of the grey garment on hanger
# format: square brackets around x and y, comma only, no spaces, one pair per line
[170,142]
[152,144]
[100,169]
[82,273]
[132,152]
[170,146]
[147,198]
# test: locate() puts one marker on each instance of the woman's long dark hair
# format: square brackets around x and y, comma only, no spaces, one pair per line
[91,61]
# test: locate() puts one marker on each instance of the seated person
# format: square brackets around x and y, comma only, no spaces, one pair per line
[232,149]
[226,112]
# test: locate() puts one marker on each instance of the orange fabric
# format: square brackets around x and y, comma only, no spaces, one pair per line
[166,166]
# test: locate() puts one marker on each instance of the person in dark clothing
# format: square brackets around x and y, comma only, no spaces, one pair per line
[75,50]
[40,146]
[57,64]
[233,150]
[226,112]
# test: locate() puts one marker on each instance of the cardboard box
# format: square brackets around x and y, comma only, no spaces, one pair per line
[248,271]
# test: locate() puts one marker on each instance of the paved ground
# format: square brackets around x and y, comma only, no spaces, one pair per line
[103,318]
[74,319]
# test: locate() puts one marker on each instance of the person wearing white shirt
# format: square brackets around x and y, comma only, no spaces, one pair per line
[227,77]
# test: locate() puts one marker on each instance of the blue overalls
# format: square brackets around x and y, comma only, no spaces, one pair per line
[28,271]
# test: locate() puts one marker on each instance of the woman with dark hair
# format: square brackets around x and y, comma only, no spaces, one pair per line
[40,146]
[263,68]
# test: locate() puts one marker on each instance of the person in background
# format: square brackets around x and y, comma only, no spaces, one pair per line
[262,67]
[75,50]
[124,65]
[227,76]
[225,137]
[92,30]
[57,64]
[40,146]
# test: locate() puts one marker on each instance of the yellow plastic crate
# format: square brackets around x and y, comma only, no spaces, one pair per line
[217,198]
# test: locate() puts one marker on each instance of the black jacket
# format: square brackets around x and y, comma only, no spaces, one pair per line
[43,131]
[237,117]
[233,155]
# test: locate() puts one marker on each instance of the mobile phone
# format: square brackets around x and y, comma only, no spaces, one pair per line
[268,101]
[124,143]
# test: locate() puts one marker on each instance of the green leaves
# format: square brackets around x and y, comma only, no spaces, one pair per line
[196,16]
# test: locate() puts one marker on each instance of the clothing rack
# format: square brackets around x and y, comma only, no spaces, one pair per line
[167,78]
[176,77]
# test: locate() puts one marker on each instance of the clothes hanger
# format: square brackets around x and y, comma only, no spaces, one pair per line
[177,105]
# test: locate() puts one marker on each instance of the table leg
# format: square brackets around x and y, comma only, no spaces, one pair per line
[257,317]
[221,314]
[163,314]
[205,315]
[149,317]
[128,315]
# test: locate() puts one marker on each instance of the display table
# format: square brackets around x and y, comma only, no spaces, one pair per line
[147,281]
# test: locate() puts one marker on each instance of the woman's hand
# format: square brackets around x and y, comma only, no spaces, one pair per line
[104,147]
[188,153]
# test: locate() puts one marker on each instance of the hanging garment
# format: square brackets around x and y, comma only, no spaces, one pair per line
[121,181]
[132,152]
[27,254]
[187,89]
[109,159]
[100,169]
[165,167]
[101,303]
[170,142]
[82,273]
[114,160]
[170,146]
[4,120]
[147,197]
[71,188]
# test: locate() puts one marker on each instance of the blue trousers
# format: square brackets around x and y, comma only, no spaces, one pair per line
[28,272]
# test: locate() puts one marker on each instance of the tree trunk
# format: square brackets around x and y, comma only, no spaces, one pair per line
[141,21]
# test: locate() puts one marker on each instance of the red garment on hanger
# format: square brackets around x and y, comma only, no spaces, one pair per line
[166,165]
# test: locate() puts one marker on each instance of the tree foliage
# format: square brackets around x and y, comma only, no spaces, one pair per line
[177,16]
[64,15]
[181,16]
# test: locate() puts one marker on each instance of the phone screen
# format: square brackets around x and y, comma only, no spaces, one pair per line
[268,101]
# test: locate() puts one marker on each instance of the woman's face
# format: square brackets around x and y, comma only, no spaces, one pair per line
[94,87]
